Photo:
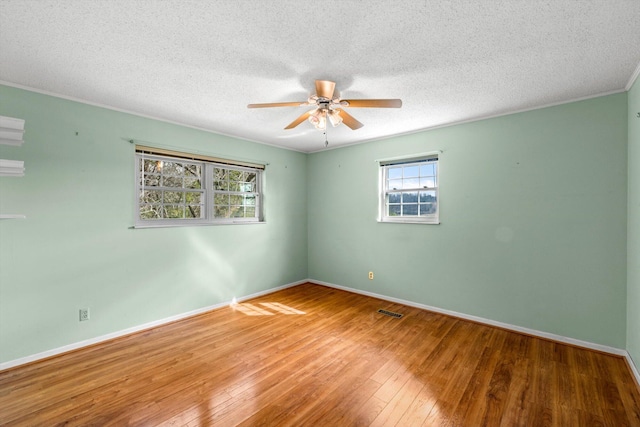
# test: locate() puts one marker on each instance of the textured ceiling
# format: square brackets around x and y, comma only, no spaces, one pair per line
[200,63]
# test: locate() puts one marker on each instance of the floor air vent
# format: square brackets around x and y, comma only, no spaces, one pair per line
[390,313]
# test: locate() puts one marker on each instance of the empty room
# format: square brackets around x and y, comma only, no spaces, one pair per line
[339,213]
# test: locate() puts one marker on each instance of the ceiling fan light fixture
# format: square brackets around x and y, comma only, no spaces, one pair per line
[334,118]
[318,119]
[322,120]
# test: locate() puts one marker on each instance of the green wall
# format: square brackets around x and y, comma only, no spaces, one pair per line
[76,248]
[633,237]
[533,211]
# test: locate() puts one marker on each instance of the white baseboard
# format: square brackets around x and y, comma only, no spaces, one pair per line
[134,329]
[633,367]
[533,332]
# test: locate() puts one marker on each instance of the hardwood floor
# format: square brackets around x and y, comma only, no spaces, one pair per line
[316,356]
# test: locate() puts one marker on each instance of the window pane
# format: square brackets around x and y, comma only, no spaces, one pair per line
[221,212]
[151,196]
[395,173]
[395,197]
[410,183]
[151,180]
[394,210]
[237,212]
[173,197]
[192,183]
[150,212]
[193,198]
[427,170]
[395,184]
[427,196]
[151,166]
[172,181]
[236,200]
[174,211]
[410,209]
[411,171]
[250,212]
[411,197]
[221,199]
[428,182]
[221,185]
[172,168]
[427,208]
[191,170]
[194,212]
[220,174]
[220,179]
[247,187]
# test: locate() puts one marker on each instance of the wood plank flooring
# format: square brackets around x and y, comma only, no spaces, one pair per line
[316,356]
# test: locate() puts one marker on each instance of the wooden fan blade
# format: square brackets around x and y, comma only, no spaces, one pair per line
[299,120]
[277,104]
[349,120]
[325,88]
[374,103]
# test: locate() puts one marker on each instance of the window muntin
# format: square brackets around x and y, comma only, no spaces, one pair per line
[177,191]
[409,190]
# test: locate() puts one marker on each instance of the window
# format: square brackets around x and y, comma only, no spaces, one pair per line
[409,190]
[182,189]
[235,193]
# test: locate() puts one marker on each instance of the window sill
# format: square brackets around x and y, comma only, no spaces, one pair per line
[409,221]
[165,225]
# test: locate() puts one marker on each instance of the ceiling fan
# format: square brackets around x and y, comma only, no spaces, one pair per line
[329,107]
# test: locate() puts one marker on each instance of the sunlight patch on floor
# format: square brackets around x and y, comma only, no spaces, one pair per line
[270,309]
[251,310]
[284,309]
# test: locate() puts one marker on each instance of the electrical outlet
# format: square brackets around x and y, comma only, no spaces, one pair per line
[371,275]
[84,314]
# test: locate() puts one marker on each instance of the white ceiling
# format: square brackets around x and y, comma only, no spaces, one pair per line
[200,62]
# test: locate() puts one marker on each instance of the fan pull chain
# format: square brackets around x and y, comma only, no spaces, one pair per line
[326,142]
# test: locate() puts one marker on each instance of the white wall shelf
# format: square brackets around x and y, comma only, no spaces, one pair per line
[11,133]
[12,216]
[11,167]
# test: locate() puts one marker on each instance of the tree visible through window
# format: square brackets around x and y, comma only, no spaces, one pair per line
[171,189]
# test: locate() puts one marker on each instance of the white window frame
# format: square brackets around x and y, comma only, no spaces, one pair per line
[384,191]
[208,164]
